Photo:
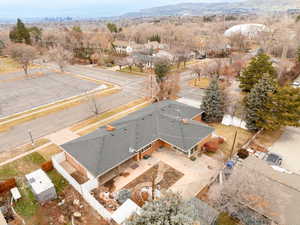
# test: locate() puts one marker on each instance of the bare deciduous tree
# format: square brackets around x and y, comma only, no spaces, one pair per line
[248,195]
[23,54]
[60,56]
[93,104]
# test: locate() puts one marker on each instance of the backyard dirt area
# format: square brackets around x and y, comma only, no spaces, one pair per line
[170,177]
[55,213]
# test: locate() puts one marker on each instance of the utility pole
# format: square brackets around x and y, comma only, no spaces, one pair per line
[233,144]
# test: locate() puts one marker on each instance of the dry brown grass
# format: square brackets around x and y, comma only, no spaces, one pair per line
[46,110]
[22,149]
[112,113]
[228,132]
[203,83]
[106,114]
[49,151]
[8,65]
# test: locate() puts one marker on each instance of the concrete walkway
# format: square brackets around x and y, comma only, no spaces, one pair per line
[197,174]
[62,136]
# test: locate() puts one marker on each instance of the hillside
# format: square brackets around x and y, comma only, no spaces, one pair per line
[198,9]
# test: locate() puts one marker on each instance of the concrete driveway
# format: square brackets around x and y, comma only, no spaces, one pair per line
[288,146]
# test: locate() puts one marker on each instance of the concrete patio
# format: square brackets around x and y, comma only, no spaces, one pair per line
[197,174]
[143,166]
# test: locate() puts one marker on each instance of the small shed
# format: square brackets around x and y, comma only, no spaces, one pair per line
[41,185]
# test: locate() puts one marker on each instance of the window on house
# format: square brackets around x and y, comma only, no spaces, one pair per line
[146,148]
[178,149]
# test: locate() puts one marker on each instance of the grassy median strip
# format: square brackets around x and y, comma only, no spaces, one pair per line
[8,65]
[105,115]
[48,151]
[4,156]
[134,70]
[116,113]
[203,83]
[46,110]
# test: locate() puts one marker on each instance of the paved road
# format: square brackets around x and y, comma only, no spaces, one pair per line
[132,88]
[26,93]
[187,91]
[288,146]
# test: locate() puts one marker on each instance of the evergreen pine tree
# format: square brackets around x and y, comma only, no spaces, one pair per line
[282,109]
[171,209]
[20,34]
[255,102]
[213,104]
[258,66]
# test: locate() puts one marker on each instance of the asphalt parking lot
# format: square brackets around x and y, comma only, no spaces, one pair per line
[25,93]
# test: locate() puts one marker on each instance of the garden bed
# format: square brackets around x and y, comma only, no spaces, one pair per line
[170,177]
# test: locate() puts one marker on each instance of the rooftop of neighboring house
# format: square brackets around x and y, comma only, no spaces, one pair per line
[204,213]
[287,184]
[125,44]
[169,121]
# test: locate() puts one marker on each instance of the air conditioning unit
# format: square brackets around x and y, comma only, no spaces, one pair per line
[132,150]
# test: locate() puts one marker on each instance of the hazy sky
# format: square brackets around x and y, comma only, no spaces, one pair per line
[82,8]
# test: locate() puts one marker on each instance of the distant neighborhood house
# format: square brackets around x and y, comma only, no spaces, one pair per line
[129,47]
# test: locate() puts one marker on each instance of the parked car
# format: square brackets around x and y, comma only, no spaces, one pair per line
[296,84]
[273,159]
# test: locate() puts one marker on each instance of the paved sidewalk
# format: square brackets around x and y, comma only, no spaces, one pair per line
[62,136]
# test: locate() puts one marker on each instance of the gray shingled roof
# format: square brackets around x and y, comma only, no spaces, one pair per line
[103,150]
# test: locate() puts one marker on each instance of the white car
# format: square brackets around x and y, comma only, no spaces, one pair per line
[296,84]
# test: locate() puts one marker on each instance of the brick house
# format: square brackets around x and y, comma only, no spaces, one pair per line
[166,124]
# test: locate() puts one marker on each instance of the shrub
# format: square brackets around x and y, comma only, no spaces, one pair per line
[123,195]
[47,166]
[193,158]
[243,153]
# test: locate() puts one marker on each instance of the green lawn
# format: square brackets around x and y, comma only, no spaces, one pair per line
[27,206]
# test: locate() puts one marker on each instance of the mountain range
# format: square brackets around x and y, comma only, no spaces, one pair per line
[236,7]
